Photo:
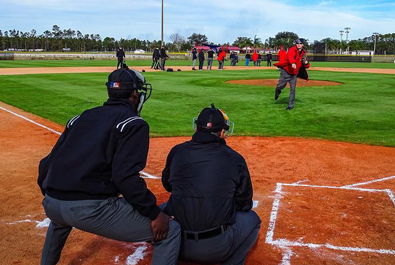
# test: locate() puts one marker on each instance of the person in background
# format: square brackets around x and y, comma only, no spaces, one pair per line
[155,58]
[269,58]
[255,58]
[194,57]
[248,58]
[163,58]
[210,58]
[120,55]
[201,59]
[221,59]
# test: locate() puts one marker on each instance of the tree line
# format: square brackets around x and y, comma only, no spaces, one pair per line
[59,39]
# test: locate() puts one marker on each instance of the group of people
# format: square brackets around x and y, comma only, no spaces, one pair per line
[257,58]
[198,55]
[208,217]
[159,58]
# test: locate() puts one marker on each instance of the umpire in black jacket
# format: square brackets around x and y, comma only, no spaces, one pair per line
[211,195]
[99,156]
[120,55]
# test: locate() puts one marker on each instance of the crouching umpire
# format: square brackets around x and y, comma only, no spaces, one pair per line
[211,194]
[99,156]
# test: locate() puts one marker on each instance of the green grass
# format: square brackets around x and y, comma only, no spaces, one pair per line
[131,63]
[362,110]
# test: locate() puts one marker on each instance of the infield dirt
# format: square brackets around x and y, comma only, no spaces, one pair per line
[345,218]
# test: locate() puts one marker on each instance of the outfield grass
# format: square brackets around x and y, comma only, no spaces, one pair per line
[362,110]
[131,63]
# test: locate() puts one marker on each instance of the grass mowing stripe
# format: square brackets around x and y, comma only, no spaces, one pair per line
[361,110]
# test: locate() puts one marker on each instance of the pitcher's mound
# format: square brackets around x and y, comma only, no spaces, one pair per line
[273,82]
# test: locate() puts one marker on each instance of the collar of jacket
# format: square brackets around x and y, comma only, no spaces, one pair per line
[202,137]
[120,101]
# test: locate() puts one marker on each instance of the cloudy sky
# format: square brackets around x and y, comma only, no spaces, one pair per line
[221,21]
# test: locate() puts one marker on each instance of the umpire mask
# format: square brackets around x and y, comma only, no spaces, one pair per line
[122,82]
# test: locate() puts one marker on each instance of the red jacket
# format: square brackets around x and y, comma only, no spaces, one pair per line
[255,56]
[221,56]
[282,57]
[294,56]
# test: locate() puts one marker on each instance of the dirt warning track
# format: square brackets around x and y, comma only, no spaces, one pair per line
[321,202]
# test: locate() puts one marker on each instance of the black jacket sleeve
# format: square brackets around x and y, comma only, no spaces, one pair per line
[244,191]
[166,171]
[130,158]
[45,163]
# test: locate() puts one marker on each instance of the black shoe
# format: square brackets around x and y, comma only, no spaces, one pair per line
[277,93]
[289,108]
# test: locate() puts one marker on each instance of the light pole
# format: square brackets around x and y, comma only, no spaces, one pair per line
[341,40]
[375,42]
[162,27]
[347,31]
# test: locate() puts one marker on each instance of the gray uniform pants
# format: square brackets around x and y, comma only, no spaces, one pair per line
[229,248]
[114,218]
[209,63]
[193,63]
[282,83]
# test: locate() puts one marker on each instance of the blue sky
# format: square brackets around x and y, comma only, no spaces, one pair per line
[221,21]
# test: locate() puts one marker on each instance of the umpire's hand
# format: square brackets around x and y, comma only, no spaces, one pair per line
[160,227]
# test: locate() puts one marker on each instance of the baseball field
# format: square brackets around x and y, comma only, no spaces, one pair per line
[323,174]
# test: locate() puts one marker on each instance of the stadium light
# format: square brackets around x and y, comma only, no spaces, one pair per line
[341,40]
[375,41]
[347,30]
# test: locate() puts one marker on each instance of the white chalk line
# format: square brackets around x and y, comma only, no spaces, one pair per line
[29,120]
[287,256]
[273,214]
[146,175]
[284,243]
[369,182]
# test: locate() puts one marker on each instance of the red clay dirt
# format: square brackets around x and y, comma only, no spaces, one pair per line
[273,82]
[360,219]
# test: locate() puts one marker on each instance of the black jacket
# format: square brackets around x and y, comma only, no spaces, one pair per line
[248,56]
[201,56]
[210,54]
[100,155]
[208,182]
[269,57]
[156,54]
[120,53]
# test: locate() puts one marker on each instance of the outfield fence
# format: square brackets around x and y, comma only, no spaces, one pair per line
[187,56]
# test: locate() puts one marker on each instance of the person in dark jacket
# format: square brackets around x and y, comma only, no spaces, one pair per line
[269,58]
[155,58]
[201,59]
[248,58]
[98,157]
[289,69]
[194,57]
[211,194]
[163,58]
[120,55]
[210,58]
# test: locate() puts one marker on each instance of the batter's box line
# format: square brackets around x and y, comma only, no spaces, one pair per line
[287,243]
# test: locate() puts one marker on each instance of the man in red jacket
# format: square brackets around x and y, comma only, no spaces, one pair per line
[296,57]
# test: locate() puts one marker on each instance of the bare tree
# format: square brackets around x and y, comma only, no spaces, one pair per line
[177,40]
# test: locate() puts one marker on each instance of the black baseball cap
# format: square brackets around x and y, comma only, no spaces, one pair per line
[211,120]
[299,41]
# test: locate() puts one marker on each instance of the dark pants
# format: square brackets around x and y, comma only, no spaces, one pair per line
[114,218]
[120,61]
[269,63]
[282,83]
[201,65]
[229,248]
[221,64]
[163,63]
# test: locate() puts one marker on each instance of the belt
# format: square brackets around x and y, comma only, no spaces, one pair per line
[205,234]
